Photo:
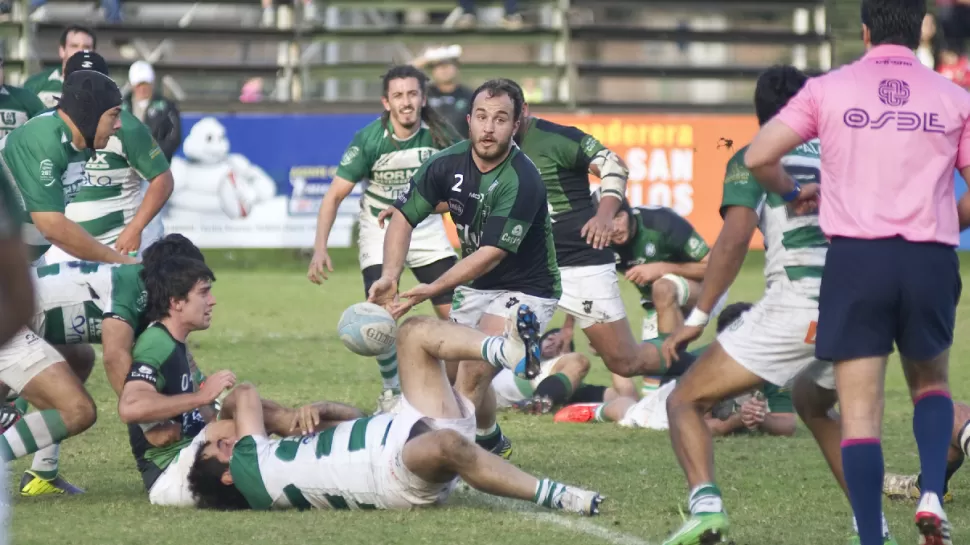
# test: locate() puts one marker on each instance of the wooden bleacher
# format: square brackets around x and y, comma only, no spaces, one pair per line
[583,52]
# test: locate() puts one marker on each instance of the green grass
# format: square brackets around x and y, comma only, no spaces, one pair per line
[275,329]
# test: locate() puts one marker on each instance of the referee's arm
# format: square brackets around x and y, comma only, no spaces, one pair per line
[763,158]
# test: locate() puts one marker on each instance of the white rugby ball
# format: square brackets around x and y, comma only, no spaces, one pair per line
[367,329]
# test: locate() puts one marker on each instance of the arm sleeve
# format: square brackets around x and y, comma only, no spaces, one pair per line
[740,187]
[801,112]
[514,209]
[963,147]
[150,353]
[143,152]
[423,194]
[246,476]
[37,170]
[127,296]
[355,165]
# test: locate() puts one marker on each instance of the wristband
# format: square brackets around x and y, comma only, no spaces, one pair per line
[697,318]
[793,194]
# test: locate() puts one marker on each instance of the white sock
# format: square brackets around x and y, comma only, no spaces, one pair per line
[885,526]
[705,498]
[45,461]
[965,439]
[485,432]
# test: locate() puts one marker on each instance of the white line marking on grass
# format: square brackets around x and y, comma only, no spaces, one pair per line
[530,511]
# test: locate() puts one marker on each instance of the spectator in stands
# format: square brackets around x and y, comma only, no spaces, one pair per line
[467,19]
[929,42]
[111,9]
[446,95]
[47,84]
[252,91]
[269,10]
[160,114]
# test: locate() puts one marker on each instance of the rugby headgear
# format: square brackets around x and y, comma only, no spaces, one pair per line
[85,97]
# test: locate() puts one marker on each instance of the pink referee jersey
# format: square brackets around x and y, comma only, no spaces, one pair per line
[891,132]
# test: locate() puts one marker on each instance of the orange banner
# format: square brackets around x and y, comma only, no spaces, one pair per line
[677,161]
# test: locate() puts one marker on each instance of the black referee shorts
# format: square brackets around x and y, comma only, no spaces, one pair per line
[876,292]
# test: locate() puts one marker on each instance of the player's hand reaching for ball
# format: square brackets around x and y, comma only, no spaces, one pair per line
[383,293]
[217,383]
[415,295]
[319,266]
[305,420]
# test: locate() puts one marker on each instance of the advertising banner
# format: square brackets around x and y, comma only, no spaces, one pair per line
[256,181]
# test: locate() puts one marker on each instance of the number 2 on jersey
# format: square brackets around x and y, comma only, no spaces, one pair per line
[457,186]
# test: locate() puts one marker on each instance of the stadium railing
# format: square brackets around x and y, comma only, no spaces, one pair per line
[559,38]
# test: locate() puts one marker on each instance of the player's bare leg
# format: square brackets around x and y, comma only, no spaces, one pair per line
[438,456]
[713,377]
[816,407]
[614,342]
[43,478]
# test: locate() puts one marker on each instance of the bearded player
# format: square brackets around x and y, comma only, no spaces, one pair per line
[409,460]
[498,201]
[385,154]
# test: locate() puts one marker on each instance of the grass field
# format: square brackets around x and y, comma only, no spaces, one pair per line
[275,329]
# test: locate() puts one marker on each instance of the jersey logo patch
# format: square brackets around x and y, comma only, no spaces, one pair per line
[456,207]
[650,249]
[47,172]
[349,155]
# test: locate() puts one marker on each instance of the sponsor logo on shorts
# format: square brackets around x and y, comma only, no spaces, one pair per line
[512,302]
[587,306]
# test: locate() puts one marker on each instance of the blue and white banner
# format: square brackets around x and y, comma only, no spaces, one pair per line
[256,180]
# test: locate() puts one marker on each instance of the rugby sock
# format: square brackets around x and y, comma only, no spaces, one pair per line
[964,438]
[388,366]
[32,433]
[885,526]
[21,405]
[588,393]
[705,498]
[599,416]
[489,438]
[493,351]
[45,461]
[548,493]
[933,429]
[951,469]
[862,463]
[557,387]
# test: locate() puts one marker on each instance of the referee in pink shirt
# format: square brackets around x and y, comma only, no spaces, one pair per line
[891,133]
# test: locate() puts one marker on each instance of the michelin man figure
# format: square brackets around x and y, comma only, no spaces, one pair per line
[210,181]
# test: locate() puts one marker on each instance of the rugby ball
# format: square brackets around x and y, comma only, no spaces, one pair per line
[367,329]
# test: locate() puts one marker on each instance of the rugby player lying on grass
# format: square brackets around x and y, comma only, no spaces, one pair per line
[381,462]
[770,413]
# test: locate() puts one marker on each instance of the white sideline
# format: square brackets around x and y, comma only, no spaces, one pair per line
[574,523]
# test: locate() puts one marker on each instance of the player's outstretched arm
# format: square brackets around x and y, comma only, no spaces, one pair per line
[320,265]
[73,239]
[141,403]
[246,410]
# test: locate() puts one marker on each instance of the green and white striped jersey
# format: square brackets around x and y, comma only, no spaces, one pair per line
[112,195]
[795,246]
[44,169]
[72,299]
[16,107]
[46,85]
[385,163]
[332,469]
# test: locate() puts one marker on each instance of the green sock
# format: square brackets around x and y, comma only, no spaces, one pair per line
[21,405]
[548,493]
[388,366]
[32,433]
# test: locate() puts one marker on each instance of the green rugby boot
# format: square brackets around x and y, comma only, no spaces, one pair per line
[701,529]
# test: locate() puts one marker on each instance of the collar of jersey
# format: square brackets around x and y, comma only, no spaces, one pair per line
[390,132]
[889,50]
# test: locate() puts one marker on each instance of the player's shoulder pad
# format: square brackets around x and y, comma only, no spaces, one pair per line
[566,131]
[153,346]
